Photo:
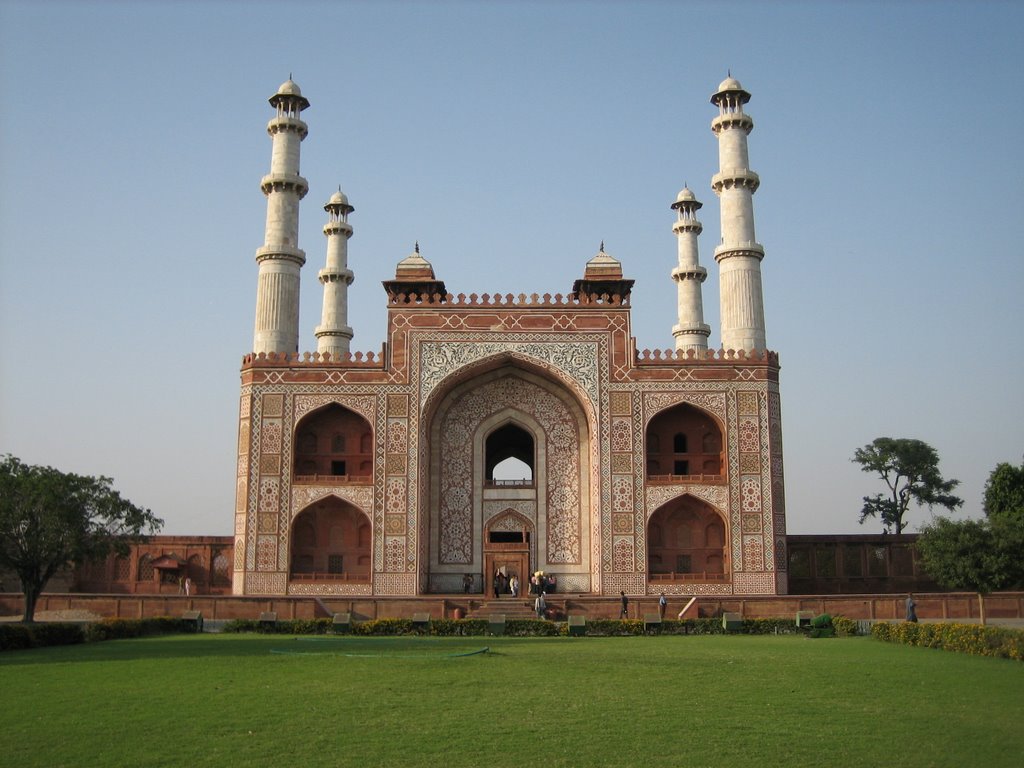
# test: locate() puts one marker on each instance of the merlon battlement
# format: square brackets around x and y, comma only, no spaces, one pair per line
[509,300]
[676,356]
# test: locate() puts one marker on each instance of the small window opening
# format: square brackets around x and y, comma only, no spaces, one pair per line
[337,467]
[681,468]
[506,537]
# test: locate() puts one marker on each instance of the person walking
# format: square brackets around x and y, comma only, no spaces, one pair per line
[624,612]
[540,605]
[662,605]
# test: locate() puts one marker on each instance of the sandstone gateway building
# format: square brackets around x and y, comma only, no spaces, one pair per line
[375,475]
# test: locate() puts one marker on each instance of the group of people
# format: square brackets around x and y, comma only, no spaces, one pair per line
[505,584]
[541,583]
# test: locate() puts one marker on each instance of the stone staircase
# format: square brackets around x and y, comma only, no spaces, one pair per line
[511,607]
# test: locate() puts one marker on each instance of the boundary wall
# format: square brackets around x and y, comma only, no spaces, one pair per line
[944,606]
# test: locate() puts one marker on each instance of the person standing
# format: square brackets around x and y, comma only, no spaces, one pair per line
[188,586]
[540,605]
[624,612]
[662,605]
[911,609]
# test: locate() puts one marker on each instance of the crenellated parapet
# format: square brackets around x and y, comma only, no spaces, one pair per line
[293,359]
[675,356]
[509,300]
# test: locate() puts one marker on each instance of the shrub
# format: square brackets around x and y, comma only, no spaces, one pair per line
[962,638]
[844,627]
[119,629]
[15,637]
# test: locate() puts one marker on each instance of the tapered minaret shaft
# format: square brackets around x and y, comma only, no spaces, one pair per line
[333,334]
[691,332]
[739,255]
[280,258]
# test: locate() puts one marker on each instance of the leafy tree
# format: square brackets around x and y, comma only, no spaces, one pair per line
[50,519]
[1004,492]
[972,554]
[910,469]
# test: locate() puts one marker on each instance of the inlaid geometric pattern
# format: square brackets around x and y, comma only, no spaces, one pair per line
[620,403]
[271,441]
[622,463]
[622,433]
[266,583]
[395,464]
[273,405]
[394,584]
[329,589]
[266,553]
[270,464]
[622,523]
[754,583]
[398,405]
[622,554]
[359,496]
[753,553]
[562,466]
[750,487]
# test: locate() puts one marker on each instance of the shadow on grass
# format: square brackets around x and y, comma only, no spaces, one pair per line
[173,647]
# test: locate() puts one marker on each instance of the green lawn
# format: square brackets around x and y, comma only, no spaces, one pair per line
[226,700]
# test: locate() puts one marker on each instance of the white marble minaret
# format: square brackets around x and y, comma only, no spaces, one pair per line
[280,258]
[691,332]
[739,255]
[333,334]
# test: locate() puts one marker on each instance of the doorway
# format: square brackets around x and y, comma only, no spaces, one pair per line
[507,552]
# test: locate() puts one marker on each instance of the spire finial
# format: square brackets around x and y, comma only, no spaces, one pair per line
[602,247]
[728,72]
[289,75]
[417,246]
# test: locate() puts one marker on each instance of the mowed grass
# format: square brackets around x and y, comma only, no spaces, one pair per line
[227,700]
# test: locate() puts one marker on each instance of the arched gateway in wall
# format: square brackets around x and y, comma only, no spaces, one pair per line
[645,469]
[509,411]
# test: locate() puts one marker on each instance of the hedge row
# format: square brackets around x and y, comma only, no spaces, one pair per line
[525,627]
[962,638]
[16,637]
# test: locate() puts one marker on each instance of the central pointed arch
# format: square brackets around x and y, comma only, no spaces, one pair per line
[528,412]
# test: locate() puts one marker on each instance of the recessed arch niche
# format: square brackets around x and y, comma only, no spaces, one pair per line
[334,442]
[331,540]
[684,441]
[686,542]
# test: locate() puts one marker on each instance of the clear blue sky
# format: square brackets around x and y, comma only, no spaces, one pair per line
[510,139]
